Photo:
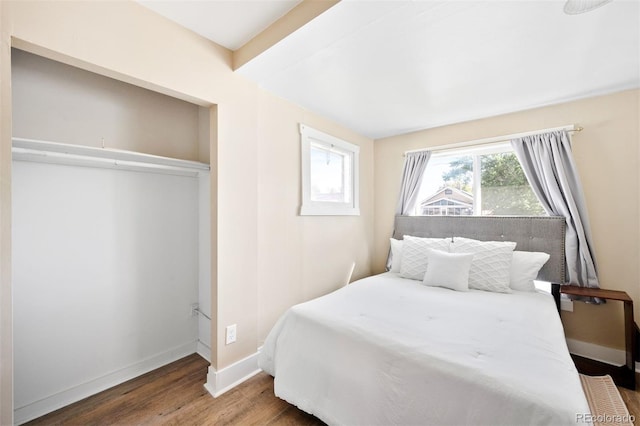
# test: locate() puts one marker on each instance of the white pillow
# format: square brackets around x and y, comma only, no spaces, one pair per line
[396,254]
[491,266]
[449,270]
[525,266]
[414,255]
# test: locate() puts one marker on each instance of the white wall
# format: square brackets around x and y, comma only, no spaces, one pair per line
[204,266]
[105,269]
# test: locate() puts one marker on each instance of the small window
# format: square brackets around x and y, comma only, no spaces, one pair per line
[481,181]
[329,174]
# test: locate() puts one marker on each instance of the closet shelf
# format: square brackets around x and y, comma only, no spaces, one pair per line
[80,155]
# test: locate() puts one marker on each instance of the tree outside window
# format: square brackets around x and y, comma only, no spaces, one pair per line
[499,188]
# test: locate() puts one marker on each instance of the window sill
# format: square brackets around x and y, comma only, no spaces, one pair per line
[329,211]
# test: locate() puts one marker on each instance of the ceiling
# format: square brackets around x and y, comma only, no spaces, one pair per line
[383,68]
[229,23]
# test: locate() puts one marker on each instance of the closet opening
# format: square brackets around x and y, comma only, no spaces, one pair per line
[111,225]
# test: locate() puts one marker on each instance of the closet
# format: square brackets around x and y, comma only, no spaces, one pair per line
[110,232]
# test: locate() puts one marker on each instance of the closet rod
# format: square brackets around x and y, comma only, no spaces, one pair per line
[30,149]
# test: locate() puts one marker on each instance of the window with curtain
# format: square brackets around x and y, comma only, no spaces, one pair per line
[483,181]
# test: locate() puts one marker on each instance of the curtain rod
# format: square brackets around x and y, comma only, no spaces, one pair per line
[496,139]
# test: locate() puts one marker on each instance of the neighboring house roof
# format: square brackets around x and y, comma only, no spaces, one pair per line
[448,196]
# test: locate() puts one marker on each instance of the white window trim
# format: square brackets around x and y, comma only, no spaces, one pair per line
[320,208]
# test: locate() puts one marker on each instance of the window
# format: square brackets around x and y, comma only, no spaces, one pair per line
[482,181]
[329,174]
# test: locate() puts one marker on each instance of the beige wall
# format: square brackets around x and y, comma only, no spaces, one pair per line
[59,103]
[606,153]
[301,257]
[254,191]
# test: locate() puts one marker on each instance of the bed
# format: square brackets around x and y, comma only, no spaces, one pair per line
[391,350]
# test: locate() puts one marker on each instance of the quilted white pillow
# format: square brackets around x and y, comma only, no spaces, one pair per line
[524,269]
[396,254]
[449,270]
[414,255]
[491,265]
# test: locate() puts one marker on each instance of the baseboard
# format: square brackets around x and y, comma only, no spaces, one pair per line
[225,379]
[204,351]
[61,399]
[598,353]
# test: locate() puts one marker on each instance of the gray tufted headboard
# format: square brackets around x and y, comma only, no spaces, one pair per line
[531,233]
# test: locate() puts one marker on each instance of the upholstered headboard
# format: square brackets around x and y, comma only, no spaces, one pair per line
[531,233]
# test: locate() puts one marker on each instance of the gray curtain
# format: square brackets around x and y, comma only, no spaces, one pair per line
[547,162]
[415,164]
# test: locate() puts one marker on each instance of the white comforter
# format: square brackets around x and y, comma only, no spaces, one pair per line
[387,350]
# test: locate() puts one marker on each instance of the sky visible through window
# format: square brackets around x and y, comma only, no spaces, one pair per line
[328,175]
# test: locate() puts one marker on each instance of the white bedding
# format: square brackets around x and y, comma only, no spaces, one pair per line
[387,350]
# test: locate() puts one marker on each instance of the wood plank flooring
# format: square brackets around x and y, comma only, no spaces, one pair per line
[632,400]
[175,395]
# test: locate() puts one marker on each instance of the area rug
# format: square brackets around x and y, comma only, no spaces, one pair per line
[607,406]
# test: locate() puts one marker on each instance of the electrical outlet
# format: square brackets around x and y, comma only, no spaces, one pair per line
[194,309]
[231,334]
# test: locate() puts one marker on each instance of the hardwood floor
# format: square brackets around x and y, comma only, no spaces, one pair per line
[175,395]
[632,400]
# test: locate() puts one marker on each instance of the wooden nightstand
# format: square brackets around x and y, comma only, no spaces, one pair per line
[624,375]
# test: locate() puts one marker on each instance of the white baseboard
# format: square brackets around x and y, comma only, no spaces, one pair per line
[61,399]
[598,353]
[225,379]
[204,351]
